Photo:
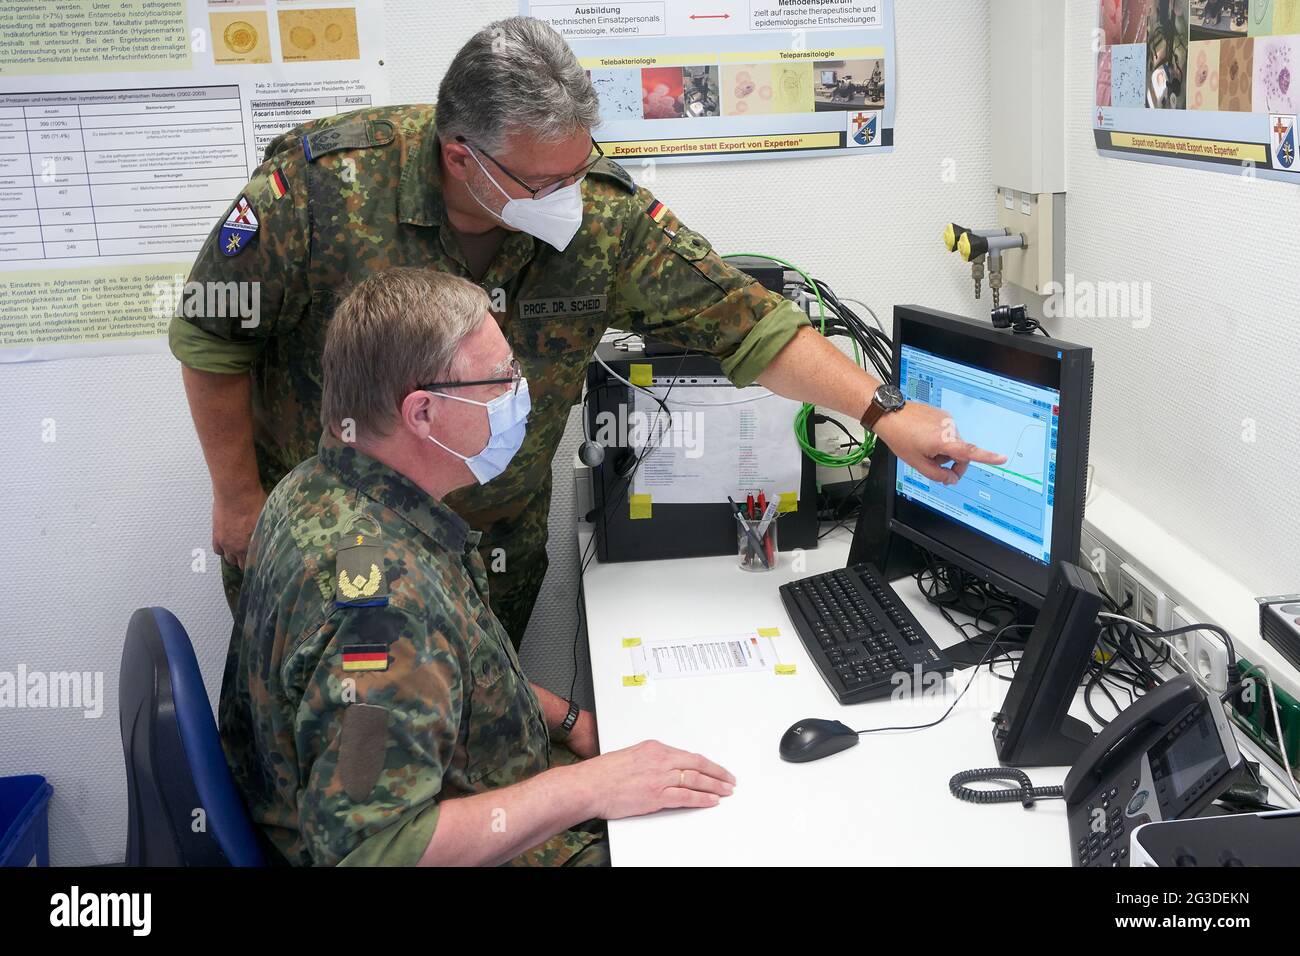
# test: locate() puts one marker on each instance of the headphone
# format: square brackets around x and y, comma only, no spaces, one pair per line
[592,454]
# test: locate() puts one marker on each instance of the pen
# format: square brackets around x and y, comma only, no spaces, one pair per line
[768,548]
[749,532]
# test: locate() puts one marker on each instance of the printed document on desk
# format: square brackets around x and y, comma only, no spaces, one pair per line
[703,656]
[718,441]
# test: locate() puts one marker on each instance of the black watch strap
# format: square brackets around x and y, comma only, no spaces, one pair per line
[571,718]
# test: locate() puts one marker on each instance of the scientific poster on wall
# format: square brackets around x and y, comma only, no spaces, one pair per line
[128,127]
[692,80]
[1212,84]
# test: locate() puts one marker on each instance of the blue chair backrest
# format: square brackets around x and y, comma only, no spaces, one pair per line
[184,809]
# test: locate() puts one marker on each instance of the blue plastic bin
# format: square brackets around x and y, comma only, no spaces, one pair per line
[24,826]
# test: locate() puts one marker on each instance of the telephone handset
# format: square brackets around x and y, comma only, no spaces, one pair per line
[1166,757]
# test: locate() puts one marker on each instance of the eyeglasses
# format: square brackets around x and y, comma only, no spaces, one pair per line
[516,376]
[544,190]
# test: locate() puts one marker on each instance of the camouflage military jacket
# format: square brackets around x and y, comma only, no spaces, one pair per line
[342,197]
[367,680]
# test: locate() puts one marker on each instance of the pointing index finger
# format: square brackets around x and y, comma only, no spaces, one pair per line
[965,451]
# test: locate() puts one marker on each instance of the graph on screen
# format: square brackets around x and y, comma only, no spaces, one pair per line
[1008,431]
[1012,502]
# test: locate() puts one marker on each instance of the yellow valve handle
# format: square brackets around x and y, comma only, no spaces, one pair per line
[950,237]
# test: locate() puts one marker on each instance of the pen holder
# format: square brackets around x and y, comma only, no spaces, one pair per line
[750,558]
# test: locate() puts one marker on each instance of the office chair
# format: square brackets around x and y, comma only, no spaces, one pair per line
[174,763]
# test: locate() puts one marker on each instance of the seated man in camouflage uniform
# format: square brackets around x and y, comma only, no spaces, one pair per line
[373,710]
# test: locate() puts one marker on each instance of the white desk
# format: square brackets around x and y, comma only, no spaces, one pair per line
[883,802]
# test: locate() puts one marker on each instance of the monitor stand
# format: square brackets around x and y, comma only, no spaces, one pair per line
[969,653]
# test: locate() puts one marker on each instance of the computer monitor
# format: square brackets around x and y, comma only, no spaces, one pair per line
[1026,397]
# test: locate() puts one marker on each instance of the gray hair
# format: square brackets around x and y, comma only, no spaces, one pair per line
[395,330]
[515,74]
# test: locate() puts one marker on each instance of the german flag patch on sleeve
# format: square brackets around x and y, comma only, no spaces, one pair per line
[365,657]
[279,185]
[656,211]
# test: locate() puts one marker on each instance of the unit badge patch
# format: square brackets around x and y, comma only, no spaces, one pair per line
[239,228]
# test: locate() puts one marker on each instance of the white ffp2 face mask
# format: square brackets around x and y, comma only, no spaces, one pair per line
[554,219]
[507,425]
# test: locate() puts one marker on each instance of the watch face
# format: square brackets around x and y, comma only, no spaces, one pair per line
[890,398]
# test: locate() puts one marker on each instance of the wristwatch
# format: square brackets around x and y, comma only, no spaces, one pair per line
[888,398]
[561,733]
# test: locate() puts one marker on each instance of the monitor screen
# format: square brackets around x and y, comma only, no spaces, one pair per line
[1010,503]
[1026,397]
[828,77]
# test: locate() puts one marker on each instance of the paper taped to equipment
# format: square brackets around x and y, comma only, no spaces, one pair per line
[717,441]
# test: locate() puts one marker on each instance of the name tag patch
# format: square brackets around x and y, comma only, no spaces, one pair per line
[561,306]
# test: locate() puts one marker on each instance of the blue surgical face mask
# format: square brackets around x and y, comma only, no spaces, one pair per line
[507,423]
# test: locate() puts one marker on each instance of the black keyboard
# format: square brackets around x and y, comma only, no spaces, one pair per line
[860,635]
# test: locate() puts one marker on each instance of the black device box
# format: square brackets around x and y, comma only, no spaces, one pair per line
[1279,625]
[673,530]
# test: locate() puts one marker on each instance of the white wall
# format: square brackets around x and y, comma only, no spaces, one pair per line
[105,518]
[1173,399]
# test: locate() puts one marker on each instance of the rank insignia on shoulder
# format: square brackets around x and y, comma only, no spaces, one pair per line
[239,228]
[359,578]
[365,657]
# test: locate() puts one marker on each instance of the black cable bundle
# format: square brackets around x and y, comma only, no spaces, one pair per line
[872,340]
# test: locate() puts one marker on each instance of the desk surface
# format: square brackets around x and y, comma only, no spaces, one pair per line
[883,802]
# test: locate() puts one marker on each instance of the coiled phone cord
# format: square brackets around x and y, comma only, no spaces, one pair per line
[1027,793]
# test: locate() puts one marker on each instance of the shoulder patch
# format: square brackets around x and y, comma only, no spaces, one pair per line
[365,657]
[239,228]
[357,134]
[608,169]
[278,183]
[359,577]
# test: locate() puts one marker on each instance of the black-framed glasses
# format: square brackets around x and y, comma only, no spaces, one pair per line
[544,190]
[516,376]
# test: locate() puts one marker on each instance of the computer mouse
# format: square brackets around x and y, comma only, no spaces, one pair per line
[814,738]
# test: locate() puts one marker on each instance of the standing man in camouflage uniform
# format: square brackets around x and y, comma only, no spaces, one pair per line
[373,710]
[503,185]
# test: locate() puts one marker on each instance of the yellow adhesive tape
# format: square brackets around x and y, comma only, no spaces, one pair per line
[641,375]
[633,680]
[789,502]
[785,670]
[769,632]
[638,507]
[631,642]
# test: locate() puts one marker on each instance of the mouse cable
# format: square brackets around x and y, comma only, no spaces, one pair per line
[973,674]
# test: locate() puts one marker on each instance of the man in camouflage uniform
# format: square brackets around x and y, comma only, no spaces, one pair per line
[459,191]
[373,710]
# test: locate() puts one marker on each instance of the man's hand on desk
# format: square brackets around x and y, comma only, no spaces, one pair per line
[650,776]
[926,438]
